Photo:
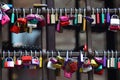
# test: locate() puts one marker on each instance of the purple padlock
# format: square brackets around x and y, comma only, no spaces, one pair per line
[53,60]
[30,16]
[64,18]
[99,60]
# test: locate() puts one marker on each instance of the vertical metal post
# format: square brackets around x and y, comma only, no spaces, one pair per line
[50,40]
[111,41]
[89,36]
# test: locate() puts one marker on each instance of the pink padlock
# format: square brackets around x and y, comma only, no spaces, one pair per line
[67,74]
[64,18]
[5,19]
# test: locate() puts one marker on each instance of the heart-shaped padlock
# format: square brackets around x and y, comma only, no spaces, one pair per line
[5,19]
[15,29]
[9,63]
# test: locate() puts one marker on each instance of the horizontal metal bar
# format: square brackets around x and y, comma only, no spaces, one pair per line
[63,10]
[63,54]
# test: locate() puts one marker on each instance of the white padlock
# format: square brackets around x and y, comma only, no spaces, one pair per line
[115,20]
[10,62]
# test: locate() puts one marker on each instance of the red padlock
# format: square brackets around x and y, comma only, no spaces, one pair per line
[22,20]
[66,23]
[15,29]
[18,62]
[118,63]
[9,63]
[73,66]
[26,58]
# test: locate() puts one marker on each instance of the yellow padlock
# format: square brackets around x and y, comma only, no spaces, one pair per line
[93,63]
[57,65]
[60,59]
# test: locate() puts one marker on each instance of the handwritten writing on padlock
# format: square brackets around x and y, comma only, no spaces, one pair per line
[118,63]
[115,20]
[35,60]
[9,63]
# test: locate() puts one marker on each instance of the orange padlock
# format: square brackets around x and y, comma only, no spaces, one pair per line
[22,20]
[26,58]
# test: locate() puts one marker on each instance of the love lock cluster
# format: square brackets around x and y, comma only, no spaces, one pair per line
[27,23]
[83,64]
[4,18]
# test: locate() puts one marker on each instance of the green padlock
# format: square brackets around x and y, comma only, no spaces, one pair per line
[76,17]
[99,68]
[3,60]
[33,21]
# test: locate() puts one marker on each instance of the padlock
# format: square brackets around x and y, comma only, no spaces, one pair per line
[18,62]
[33,21]
[15,29]
[26,58]
[67,74]
[5,7]
[114,20]
[118,63]
[0,15]
[94,63]
[86,61]
[35,61]
[5,19]
[65,23]
[99,60]
[9,63]
[64,18]
[100,67]
[58,66]
[87,69]
[73,66]
[30,17]
[99,72]
[50,65]
[53,60]
[22,20]
[60,59]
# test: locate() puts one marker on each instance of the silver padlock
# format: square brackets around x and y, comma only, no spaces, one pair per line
[114,20]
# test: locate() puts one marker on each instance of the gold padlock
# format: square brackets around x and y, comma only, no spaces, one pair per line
[57,65]
[93,63]
[60,59]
